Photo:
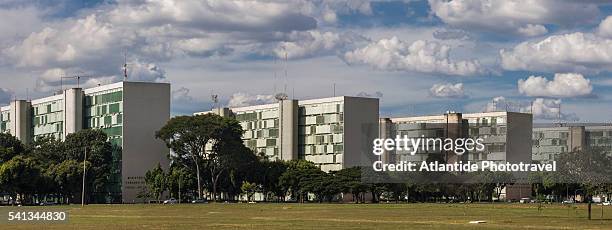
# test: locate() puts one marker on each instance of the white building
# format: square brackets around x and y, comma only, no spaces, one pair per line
[334,133]
[128,112]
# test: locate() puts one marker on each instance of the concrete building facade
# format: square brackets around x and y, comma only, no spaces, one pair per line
[505,134]
[549,142]
[334,133]
[128,112]
[506,138]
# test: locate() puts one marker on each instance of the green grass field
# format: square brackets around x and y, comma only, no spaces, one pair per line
[325,216]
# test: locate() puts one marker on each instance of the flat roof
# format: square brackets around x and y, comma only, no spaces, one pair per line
[47,99]
[300,102]
[441,116]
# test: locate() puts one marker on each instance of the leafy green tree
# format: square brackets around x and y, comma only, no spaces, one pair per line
[10,146]
[248,189]
[180,180]
[188,136]
[270,172]
[156,182]
[20,175]
[67,177]
[99,152]
[296,177]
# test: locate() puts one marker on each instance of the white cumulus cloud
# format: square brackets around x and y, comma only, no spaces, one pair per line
[245,99]
[563,85]
[605,27]
[540,108]
[420,56]
[575,52]
[518,17]
[308,43]
[447,90]
[550,109]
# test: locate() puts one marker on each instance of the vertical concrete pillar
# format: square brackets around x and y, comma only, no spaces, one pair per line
[73,110]
[385,131]
[288,129]
[453,130]
[577,138]
[21,120]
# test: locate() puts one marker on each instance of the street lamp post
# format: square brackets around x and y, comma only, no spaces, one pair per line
[83,190]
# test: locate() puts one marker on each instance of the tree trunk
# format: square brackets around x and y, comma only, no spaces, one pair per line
[199,182]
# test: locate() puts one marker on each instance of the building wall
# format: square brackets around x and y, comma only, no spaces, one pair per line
[146,108]
[313,130]
[360,129]
[519,132]
[20,120]
[5,119]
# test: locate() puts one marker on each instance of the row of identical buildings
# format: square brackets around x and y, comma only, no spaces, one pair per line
[337,133]
[334,133]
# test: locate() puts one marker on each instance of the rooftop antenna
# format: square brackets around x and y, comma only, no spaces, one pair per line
[215,99]
[78,78]
[334,87]
[275,69]
[125,66]
[286,58]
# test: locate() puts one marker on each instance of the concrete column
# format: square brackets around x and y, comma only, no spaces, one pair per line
[73,110]
[454,129]
[385,131]
[577,138]
[21,120]
[288,129]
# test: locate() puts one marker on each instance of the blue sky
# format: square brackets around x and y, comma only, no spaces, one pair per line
[418,57]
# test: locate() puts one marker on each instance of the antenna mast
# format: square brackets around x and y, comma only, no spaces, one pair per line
[215,99]
[125,74]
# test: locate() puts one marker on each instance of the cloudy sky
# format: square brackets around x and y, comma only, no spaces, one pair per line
[418,57]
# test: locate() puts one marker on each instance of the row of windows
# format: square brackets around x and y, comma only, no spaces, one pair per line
[104,98]
[105,121]
[321,109]
[257,115]
[48,107]
[48,118]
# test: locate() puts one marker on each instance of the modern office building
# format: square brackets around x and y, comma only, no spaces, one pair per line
[505,134]
[128,112]
[334,133]
[549,142]
[505,137]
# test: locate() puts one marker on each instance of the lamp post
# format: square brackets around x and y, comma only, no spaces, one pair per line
[83,190]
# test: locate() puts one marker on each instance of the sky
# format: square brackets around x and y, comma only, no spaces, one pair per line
[552,58]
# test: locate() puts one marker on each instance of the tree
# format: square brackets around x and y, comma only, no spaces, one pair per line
[207,142]
[187,137]
[10,146]
[67,177]
[179,179]
[248,189]
[270,172]
[296,176]
[20,175]
[590,168]
[156,181]
[99,159]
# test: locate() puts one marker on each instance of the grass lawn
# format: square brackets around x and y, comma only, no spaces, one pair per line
[325,216]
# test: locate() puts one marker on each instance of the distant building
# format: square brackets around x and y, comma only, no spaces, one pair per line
[505,134]
[128,112]
[549,142]
[334,133]
[506,137]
